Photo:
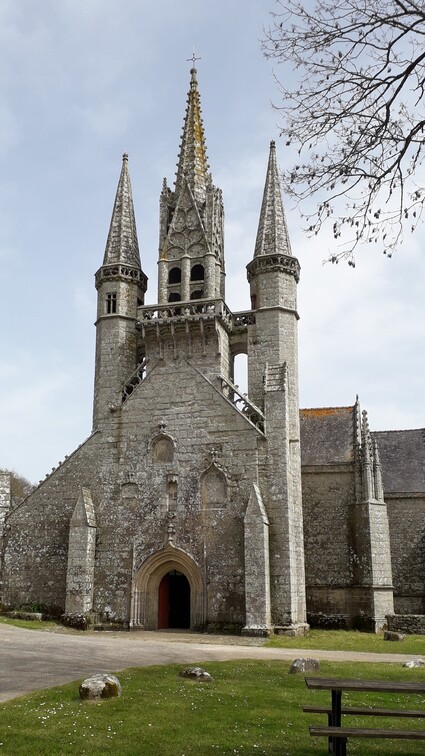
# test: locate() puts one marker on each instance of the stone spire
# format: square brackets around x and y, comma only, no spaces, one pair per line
[193,163]
[122,245]
[272,234]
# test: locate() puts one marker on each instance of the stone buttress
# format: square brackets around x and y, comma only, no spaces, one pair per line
[372,570]
[81,556]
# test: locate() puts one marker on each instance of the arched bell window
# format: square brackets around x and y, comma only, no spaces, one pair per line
[174,276]
[197,273]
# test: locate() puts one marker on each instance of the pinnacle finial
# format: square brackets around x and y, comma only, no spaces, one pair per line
[272,234]
[193,79]
[122,245]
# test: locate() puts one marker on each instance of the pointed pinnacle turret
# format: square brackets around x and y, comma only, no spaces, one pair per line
[272,234]
[367,460]
[122,245]
[193,162]
[377,472]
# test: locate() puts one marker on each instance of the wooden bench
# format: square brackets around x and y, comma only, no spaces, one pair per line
[337,734]
[362,711]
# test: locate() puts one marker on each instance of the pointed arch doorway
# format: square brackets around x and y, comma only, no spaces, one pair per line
[168,591]
[174,601]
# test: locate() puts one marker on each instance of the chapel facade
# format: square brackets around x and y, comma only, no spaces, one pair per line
[193,505]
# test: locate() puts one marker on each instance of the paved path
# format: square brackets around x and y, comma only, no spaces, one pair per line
[31,659]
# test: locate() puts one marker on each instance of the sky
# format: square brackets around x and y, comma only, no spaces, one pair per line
[81,82]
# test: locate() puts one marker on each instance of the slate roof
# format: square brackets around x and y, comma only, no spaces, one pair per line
[402,455]
[327,435]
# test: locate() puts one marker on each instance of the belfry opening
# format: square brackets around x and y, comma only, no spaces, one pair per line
[174,601]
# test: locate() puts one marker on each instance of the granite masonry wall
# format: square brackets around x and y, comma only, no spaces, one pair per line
[145,500]
[327,497]
[411,624]
[406,516]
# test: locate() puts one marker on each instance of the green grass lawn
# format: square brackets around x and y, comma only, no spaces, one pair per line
[29,624]
[251,707]
[351,640]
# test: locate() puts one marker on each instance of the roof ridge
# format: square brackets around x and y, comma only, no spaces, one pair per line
[403,430]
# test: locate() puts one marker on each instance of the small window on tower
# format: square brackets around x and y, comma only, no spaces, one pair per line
[197,294]
[197,273]
[111,302]
[174,276]
[174,296]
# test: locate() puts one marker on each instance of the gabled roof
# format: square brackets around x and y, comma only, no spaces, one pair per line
[402,454]
[327,435]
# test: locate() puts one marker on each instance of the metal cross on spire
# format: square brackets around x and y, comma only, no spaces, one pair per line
[193,58]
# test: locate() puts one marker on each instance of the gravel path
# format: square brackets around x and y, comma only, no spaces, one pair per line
[32,659]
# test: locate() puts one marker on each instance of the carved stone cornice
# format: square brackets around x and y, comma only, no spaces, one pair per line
[273,263]
[119,272]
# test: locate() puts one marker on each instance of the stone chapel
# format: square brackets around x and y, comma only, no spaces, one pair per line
[192,505]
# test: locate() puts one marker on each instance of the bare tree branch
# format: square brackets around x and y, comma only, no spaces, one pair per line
[357,115]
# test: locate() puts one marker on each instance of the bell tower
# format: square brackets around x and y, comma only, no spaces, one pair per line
[191,262]
[190,320]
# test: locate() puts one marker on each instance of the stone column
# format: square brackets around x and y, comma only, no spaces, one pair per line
[185,290]
[162,282]
[210,288]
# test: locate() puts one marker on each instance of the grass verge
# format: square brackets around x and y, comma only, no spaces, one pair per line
[351,640]
[30,624]
[251,707]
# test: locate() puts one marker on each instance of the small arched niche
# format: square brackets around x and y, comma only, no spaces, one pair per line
[213,488]
[129,490]
[162,449]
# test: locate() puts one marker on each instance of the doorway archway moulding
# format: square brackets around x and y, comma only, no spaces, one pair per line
[146,581]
